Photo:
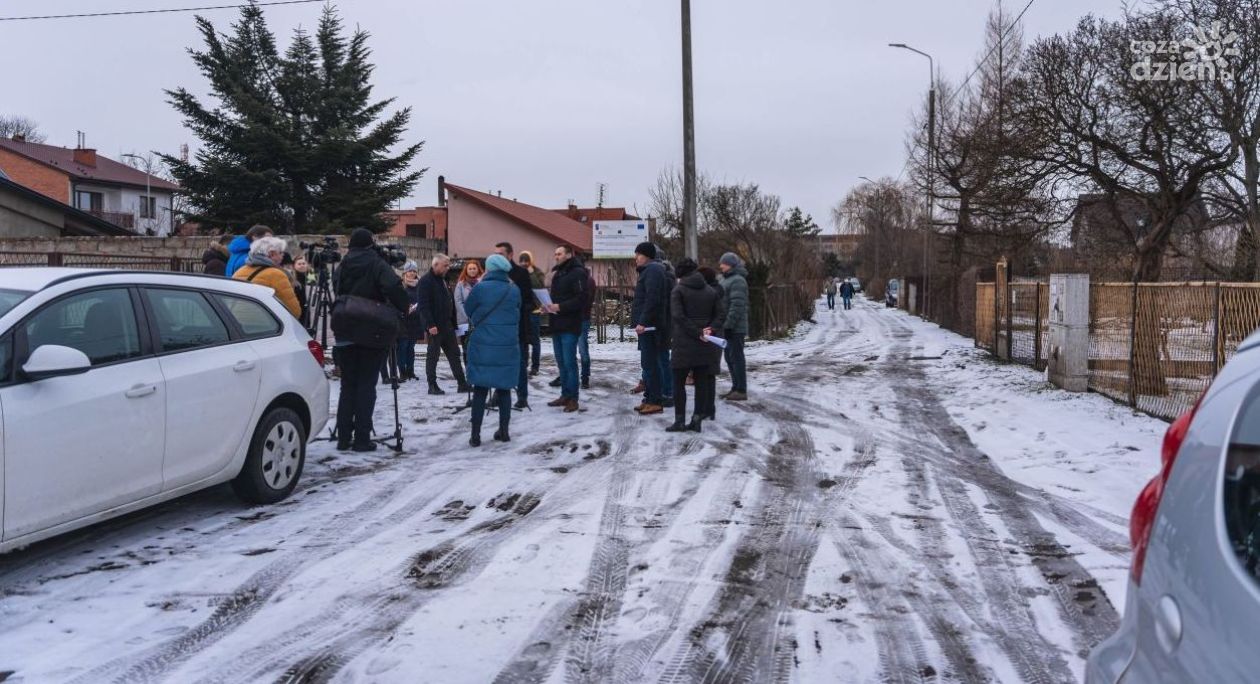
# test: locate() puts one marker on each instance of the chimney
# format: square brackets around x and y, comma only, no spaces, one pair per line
[500,193]
[85,156]
[441,191]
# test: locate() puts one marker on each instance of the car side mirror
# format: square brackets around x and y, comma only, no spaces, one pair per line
[52,360]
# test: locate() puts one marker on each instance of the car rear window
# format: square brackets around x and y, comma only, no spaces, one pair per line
[10,299]
[185,320]
[1242,487]
[254,318]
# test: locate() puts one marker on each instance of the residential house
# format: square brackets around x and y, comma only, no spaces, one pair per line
[110,190]
[27,213]
[421,222]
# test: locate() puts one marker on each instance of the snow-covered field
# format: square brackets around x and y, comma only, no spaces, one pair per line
[889,506]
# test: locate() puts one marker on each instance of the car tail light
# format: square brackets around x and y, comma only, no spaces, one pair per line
[316,351]
[1142,521]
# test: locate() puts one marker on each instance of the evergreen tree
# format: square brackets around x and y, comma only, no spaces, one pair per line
[800,224]
[294,141]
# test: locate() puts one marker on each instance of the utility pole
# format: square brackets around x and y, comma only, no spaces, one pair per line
[931,166]
[150,206]
[690,239]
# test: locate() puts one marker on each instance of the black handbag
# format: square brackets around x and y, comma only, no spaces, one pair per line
[365,322]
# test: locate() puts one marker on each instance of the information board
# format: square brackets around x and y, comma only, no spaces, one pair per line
[617,239]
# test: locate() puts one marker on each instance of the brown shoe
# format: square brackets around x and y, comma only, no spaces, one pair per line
[571,406]
[558,401]
[639,408]
[639,388]
[737,396]
[650,409]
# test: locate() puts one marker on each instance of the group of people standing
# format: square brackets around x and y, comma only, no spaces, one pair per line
[686,320]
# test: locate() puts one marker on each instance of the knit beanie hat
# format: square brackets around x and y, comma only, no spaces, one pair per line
[411,267]
[498,262]
[685,267]
[360,238]
[731,259]
[647,249]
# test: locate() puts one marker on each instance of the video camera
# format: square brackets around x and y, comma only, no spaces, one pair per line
[321,254]
[392,254]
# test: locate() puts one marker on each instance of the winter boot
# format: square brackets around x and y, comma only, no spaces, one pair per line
[475,440]
[694,425]
[558,401]
[571,406]
[434,389]
[639,388]
[464,388]
[678,426]
[501,435]
[554,383]
[736,396]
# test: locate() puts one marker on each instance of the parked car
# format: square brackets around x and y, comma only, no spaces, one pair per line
[891,291]
[857,284]
[119,390]
[1193,607]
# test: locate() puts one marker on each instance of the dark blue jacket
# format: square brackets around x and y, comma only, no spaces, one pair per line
[568,291]
[846,289]
[494,345]
[238,251]
[650,307]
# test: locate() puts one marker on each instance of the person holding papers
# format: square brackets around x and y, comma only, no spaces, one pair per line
[568,292]
[697,313]
[649,314]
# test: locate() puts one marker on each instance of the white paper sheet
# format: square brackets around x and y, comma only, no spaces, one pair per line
[715,340]
[543,296]
[461,330]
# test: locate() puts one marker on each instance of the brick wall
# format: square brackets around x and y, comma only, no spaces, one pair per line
[42,179]
[187,247]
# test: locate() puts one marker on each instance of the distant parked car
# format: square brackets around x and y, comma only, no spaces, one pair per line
[891,291]
[1193,607]
[119,390]
[857,284]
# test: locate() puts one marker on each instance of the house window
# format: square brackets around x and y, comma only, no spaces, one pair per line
[148,207]
[417,230]
[89,201]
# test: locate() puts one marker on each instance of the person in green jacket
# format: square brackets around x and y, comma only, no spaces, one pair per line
[735,285]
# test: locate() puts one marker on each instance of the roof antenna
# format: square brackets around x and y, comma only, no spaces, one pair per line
[82,140]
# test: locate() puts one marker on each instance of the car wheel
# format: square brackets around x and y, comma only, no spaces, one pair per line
[276,455]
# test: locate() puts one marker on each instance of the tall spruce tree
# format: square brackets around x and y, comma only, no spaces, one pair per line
[294,141]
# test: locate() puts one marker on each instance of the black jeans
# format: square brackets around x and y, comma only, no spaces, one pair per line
[705,385]
[446,342]
[359,369]
[479,408]
[735,361]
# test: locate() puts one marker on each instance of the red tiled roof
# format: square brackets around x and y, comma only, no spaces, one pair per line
[106,170]
[558,226]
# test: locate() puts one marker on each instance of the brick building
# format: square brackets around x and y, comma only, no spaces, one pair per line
[97,185]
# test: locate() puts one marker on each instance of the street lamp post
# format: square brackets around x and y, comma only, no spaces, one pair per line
[931,160]
[148,190]
[690,240]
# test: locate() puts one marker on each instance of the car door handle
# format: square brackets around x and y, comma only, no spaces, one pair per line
[243,366]
[141,391]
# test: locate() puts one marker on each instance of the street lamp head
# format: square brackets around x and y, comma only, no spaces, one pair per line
[897,45]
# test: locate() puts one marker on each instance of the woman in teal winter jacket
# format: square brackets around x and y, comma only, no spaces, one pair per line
[494,344]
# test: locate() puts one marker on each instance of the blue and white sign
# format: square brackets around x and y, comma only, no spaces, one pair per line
[617,239]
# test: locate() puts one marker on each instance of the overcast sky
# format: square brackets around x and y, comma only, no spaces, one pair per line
[544,99]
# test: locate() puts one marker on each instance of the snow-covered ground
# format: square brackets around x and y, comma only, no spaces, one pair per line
[890,505]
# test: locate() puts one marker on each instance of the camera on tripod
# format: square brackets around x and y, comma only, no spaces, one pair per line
[392,254]
[320,254]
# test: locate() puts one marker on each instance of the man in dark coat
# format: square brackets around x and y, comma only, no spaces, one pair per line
[362,273]
[519,275]
[437,315]
[214,259]
[649,314]
[568,293]
[846,293]
[697,312]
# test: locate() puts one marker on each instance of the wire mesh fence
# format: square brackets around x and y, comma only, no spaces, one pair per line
[115,261]
[1153,346]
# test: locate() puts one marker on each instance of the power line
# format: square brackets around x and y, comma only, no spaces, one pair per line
[1000,43]
[158,11]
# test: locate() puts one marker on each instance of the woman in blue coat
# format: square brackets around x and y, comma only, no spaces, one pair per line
[494,344]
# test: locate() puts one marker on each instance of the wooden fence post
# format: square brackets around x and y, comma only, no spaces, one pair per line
[1133,314]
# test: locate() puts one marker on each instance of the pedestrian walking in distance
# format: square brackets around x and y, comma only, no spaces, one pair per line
[568,294]
[437,315]
[537,281]
[412,329]
[696,311]
[831,294]
[649,314]
[363,273]
[520,277]
[846,293]
[263,268]
[735,283]
[494,348]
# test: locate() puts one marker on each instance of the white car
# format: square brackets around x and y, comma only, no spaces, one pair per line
[119,390]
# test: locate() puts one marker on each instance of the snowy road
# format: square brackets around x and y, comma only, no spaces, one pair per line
[890,506]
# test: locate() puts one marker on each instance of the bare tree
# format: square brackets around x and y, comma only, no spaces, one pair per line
[21,127]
